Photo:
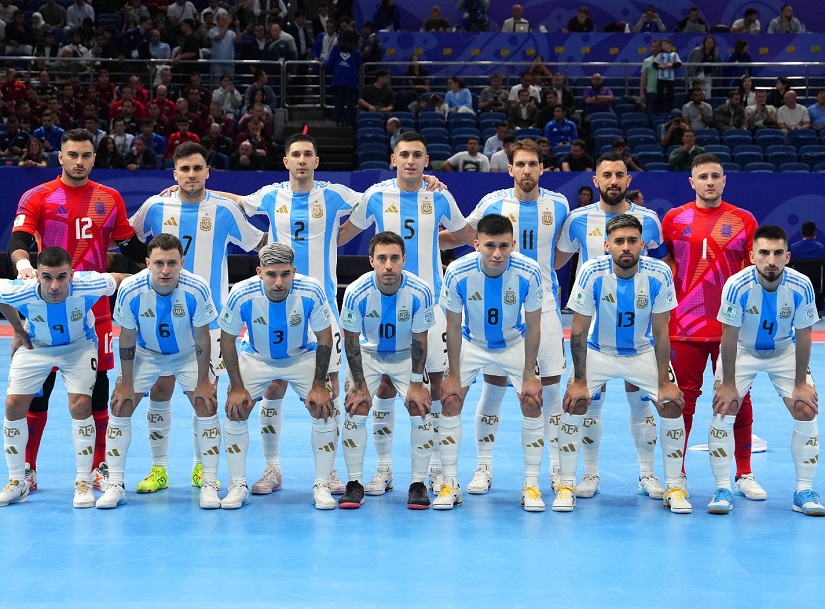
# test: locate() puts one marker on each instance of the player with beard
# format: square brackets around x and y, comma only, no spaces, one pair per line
[583,232]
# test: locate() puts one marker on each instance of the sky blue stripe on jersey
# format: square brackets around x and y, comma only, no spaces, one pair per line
[494,310]
[410,229]
[278,338]
[188,232]
[388,330]
[299,223]
[163,331]
[58,323]
[766,333]
[598,283]
[625,319]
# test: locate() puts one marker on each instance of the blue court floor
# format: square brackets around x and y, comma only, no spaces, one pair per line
[616,550]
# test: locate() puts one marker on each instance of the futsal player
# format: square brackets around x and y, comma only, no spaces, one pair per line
[386,315]
[621,304]
[767,311]
[289,337]
[494,300]
[59,333]
[164,313]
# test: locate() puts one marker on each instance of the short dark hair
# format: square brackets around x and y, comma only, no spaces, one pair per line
[751,11]
[381,73]
[619,141]
[587,188]
[495,224]
[733,92]
[609,157]
[623,221]
[54,256]
[300,137]
[809,228]
[165,242]
[410,136]
[77,135]
[632,194]
[771,232]
[581,143]
[704,159]
[387,238]
[503,124]
[474,138]
[187,149]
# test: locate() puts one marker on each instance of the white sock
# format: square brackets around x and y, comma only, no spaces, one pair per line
[449,439]
[421,443]
[592,436]
[354,445]
[209,446]
[643,431]
[196,458]
[159,422]
[532,440]
[83,439]
[720,447]
[271,418]
[236,446]
[323,447]
[383,426]
[15,438]
[672,441]
[118,439]
[487,422]
[551,412]
[435,413]
[805,452]
[570,439]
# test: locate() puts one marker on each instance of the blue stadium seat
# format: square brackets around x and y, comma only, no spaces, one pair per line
[819,168]
[747,148]
[769,137]
[656,167]
[600,125]
[369,117]
[461,119]
[650,157]
[640,131]
[634,123]
[374,166]
[733,141]
[736,133]
[371,135]
[781,158]
[646,148]
[364,157]
[707,136]
[724,157]
[795,168]
[605,116]
[731,167]
[435,135]
[801,137]
[715,148]
[464,132]
[812,154]
[746,158]
[780,148]
[530,134]
[760,167]
[439,152]
[634,141]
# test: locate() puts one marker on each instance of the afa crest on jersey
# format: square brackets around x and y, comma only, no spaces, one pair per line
[177,310]
[509,297]
[316,211]
[295,319]
[547,217]
[426,205]
[403,315]
[100,208]
[642,301]
[76,315]
[205,224]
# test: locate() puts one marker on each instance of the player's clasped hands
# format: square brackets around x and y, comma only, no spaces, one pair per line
[319,401]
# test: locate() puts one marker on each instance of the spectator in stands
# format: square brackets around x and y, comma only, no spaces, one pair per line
[636,197]
[302,34]
[777,96]
[387,17]
[682,158]
[154,141]
[259,111]
[417,78]
[670,133]
[560,130]
[179,11]
[649,79]
[107,155]
[495,142]
[731,114]
[13,140]
[597,97]
[20,39]
[180,136]
[565,95]
[325,41]
[198,111]
[254,135]
[257,46]
[378,96]
[649,21]
[344,63]
[223,45]
[127,94]
[133,12]
[77,12]
[808,247]
[740,55]
[166,105]
[458,97]
[189,48]
[541,75]
[369,45]
[319,22]
[548,159]
[760,114]
[667,62]
[474,15]
[584,197]
[162,123]
[267,11]
[158,49]
[816,112]
[435,22]
[69,103]
[526,81]
[141,156]
[698,114]
[792,116]
[577,159]
[746,90]
[92,125]
[525,113]
[49,133]
[785,23]
[516,23]
[134,44]
[630,160]
[227,96]
[581,22]
[260,84]
[28,121]
[393,131]
[7,10]
[282,47]
[547,110]
[692,24]
[61,118]
[698,69]
[749,24]
[130,117]
[226,123]
[215,141]
[11,91]
[499,161]
[53,13]
[468,160]
[123,139]
[246,159]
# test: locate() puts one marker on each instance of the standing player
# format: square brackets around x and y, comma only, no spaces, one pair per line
[164,313]
[387,313]
[206,224]
[289,337]
[627,299]
[82,217]
[584,232]
[537,216]
[494,301]
[767,313]
[710,240]
[403,206]
[56,306]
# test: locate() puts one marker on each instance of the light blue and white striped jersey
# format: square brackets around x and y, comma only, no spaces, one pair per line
[416,217]
[585,229]
[622,308]
[164,324]
[536,227]
[766,320]
[308,223]
[206,229]
[387,323]
[51,325]
[493,306]
[276,330]
[669,57]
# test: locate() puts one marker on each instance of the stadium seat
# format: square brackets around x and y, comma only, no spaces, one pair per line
[464,132]
[605,116]
[371,135]
[707,136]
[364,157]
[724,157]
[646,148]
[372,147]
[819,168]
[599,125]
[374,166]
[795,168]
[801,137]
[760,167]
[781,158]
[656,167]
[461,119]
[731,167]
[640,131]
[812,154]
[439,152]
[736,133]
[780,148]
[650,157]
[369,116]
[634,141]
[746,158]
[732,141]
[715,148]
[530,133]
[435,135]
[769,137]
[634,123]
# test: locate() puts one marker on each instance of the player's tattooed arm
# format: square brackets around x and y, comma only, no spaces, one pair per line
[323,355]
[419,352]
[352,346]
[127,353]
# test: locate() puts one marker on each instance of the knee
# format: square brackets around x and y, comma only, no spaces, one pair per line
[451,406]
[80,406]
[803,412]
[669,410]
[16,407]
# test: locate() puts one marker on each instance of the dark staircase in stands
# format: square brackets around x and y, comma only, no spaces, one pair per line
[336,145]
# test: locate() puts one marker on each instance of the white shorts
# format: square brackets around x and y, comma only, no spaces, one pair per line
[509,359]
[398,366]
[437,343]
[551,360]
[337,344]
[257,372]
[640,370]
[151,365]
[780,366]
[77,361]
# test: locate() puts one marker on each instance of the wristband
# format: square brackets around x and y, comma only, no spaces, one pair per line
[23,264]
[416,378]
[529,375]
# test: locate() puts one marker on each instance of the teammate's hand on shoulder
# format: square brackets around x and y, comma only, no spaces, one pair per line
[166,192]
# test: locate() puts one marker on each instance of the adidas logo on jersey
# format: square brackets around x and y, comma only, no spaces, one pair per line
[282,210]
[39,319]
[476,296]
[753,310]
[391,209]
[259,320]
[609,298]
[150,313]
[687,232]
[596,233]
[373,313]
[62,210]
[171,222]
